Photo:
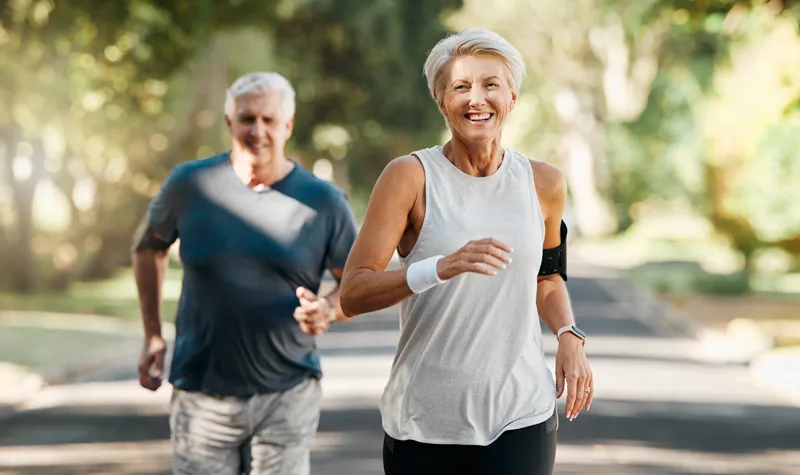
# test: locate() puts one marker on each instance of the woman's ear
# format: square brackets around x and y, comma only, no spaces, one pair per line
[441,105]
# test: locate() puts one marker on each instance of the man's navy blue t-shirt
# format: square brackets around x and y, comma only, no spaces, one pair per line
[244,253]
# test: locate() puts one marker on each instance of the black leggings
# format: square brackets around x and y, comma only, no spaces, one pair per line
[526,451]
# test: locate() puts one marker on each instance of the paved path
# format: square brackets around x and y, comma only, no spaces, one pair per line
[661,408]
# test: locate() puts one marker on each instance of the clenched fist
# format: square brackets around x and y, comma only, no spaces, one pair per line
[314,314]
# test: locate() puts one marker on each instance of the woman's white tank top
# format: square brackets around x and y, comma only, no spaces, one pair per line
[470,362]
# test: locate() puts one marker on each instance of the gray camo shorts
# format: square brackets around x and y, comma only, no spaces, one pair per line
[259,435]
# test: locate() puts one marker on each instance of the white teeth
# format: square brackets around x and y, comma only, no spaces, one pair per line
[483,116]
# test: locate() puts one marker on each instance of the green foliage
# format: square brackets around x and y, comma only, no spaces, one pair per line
[720,118]
[670,99]
[85,82]
[357,66]
[103,99]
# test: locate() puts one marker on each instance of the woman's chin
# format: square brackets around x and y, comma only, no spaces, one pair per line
[478,137]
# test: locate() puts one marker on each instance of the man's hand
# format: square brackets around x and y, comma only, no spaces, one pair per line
[573,369]
[151,363]
[313,314]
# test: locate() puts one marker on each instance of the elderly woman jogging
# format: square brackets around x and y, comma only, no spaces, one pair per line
[479,231]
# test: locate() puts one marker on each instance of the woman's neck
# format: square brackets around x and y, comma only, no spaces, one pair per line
[478,160]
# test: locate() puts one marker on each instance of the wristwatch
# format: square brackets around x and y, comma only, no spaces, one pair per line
[572,329]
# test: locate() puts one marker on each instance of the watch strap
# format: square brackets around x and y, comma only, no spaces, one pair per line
[571,329]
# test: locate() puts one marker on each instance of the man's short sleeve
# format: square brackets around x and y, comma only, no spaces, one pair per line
[343,233]
[159,229]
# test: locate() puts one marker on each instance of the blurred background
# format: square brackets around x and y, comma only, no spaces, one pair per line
[676,122]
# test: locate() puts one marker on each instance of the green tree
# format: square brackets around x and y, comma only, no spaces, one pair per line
[80,78]
[751,127]
[724,110]
[357,67]
[103,99]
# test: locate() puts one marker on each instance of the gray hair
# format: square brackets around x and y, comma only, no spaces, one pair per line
[260,82]
[467,43]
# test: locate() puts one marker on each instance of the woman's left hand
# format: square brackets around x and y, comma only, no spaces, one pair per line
[572,368]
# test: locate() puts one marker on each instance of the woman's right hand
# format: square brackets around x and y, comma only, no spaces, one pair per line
[483,256]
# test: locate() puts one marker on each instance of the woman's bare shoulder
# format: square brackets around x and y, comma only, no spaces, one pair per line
[401,180]
[551,183]
[405,170]
[406,166]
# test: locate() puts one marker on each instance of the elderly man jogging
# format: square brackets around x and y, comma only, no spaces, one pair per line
[257,233]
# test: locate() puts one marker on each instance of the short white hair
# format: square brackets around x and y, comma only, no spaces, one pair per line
[260,82]
[468,43]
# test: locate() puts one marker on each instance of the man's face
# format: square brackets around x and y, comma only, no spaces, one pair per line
[259,126]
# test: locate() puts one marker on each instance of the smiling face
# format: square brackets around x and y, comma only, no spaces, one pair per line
[477,97]
[259,126]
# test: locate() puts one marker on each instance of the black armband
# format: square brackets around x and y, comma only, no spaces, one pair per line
[554,261]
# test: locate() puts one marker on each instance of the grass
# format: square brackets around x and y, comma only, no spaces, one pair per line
[682,256]
[39,342]
[115,297]
[36,347]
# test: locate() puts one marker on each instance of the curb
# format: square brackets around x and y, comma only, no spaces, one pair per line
[20,385]
[779,370]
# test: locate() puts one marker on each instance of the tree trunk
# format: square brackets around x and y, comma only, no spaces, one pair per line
[22,266]
[581,146]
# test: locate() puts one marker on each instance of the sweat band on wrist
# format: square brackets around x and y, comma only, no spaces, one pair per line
[422,275]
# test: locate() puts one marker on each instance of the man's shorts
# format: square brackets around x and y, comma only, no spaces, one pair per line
[263,434]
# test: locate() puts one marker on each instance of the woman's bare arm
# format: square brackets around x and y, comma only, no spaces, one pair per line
[366,285]
[552,296]
[572,369]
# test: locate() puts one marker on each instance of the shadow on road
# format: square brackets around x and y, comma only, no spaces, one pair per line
[717,428]
[661,410]
[84,425]
[352,437]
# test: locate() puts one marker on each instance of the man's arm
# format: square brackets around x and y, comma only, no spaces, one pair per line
[149,269]
[150,256]
[316,313]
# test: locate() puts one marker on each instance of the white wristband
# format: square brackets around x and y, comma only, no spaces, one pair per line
[422,275]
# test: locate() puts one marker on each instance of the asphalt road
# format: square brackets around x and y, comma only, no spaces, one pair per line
[661,408]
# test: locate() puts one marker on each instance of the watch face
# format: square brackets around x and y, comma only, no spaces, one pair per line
[579,332]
